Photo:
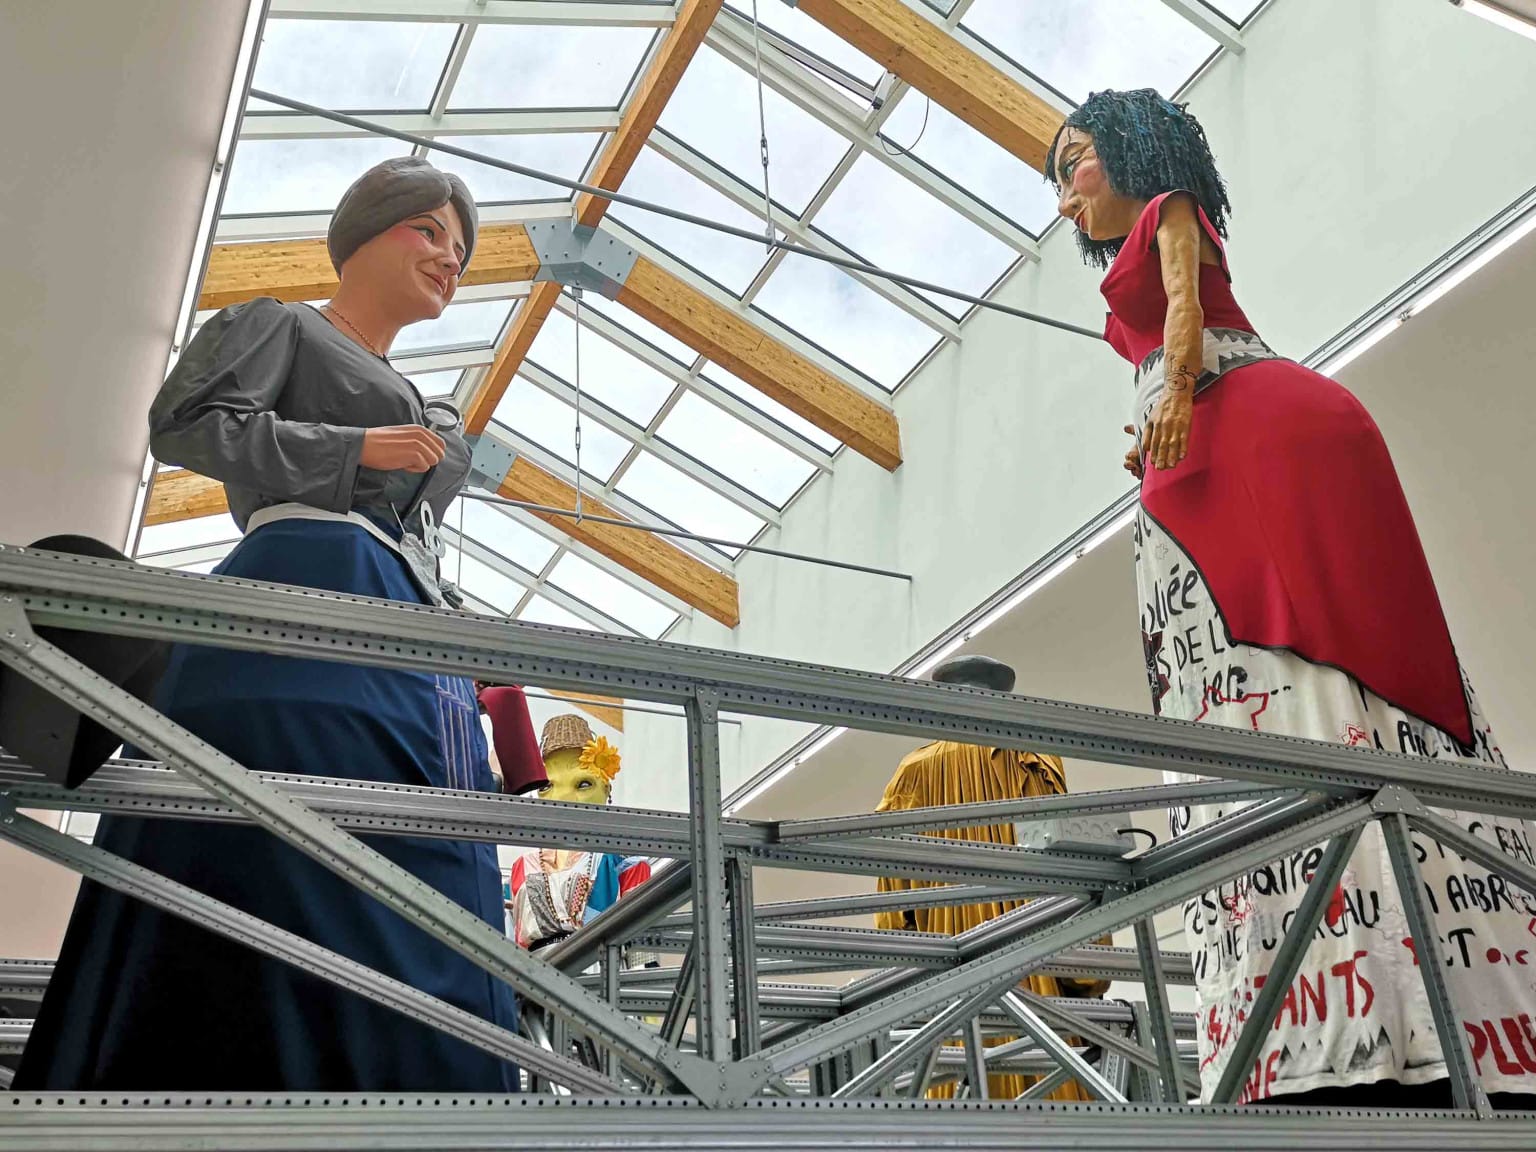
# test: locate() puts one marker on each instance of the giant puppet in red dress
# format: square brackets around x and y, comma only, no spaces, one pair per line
[1283,588]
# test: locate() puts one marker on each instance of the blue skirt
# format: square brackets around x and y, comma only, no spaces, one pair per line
[141,1000]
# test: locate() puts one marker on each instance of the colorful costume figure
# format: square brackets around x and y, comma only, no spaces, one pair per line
[1284,589]
[275,400]
[554,891]
[946,772]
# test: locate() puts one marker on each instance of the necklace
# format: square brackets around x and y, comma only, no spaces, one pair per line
[367,343]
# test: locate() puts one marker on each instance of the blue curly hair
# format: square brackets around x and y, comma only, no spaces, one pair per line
[1148,145]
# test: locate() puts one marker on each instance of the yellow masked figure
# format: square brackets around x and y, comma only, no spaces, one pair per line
[555,890]
[946,772]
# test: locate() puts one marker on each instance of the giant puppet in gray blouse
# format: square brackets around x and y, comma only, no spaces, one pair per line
[329,464]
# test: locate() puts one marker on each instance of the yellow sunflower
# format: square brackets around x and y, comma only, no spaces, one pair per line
[601,756]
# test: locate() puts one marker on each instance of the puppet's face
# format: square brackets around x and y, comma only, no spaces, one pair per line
[570,780]
[414,266]
[1086,197]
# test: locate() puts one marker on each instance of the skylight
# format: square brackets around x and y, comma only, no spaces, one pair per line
[859,163]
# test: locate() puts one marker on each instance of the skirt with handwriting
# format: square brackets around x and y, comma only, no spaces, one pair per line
[1357,1012]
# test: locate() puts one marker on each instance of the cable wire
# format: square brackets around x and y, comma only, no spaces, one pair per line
[577,293]
[891,148]
[762,127]
[682,534]
[610,194]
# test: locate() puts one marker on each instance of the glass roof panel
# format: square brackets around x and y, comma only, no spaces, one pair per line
[549,66]
[267,177]
[477,322]
[431,384]
[550,423]
[728,260]
[714,110]
[542,611]
[849,320]
[486,584]
[719,440]
[1235,10]
[561,153]
[796,423]
[623,382]
[1079,46]
[988,171]
[187,533]
[641,327]
[354,65]
[488,525]
[795,25]
[681,499]
[611,596]
[891,222]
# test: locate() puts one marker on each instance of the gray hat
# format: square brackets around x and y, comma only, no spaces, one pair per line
[393,191]
[976,672]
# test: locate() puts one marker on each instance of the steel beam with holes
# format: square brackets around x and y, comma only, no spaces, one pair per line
[1318,788]
[988,975]
[127,599]
[173,1122]
[413,810]
[317,837]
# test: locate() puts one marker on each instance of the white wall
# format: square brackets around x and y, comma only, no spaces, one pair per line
[114,118]
[1359,140]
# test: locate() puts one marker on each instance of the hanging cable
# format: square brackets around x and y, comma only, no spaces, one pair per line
[854,265]
[576,292]
[890,146]
[762,128]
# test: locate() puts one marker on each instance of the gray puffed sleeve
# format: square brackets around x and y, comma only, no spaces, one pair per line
[214,413]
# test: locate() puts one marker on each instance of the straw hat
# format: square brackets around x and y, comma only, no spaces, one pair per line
[568,731]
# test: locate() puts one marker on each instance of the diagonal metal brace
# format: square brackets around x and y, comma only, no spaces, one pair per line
[320,838]
[178,900]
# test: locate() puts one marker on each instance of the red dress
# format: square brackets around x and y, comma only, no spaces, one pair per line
[1283,588]
[1290,507]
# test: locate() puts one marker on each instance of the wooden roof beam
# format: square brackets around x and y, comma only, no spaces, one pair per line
[641,116]
[653,559]
[296,270]
[739,346]
[927,57]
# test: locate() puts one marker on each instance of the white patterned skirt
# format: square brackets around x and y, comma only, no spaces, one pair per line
[1357,1011]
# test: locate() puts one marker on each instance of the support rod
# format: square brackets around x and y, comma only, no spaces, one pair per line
[1059,1050]
[955,816]
[681,534]
[1283,969]
[709,914]
[1164,1043]
[131,719]
[860,266]
[1465,1089]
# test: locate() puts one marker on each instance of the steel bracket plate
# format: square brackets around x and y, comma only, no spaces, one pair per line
[490,462]
[581,257]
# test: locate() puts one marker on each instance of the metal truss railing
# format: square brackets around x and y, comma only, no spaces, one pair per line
[793,1061]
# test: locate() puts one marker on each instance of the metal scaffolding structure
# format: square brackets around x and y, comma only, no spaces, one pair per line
[740,1057]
